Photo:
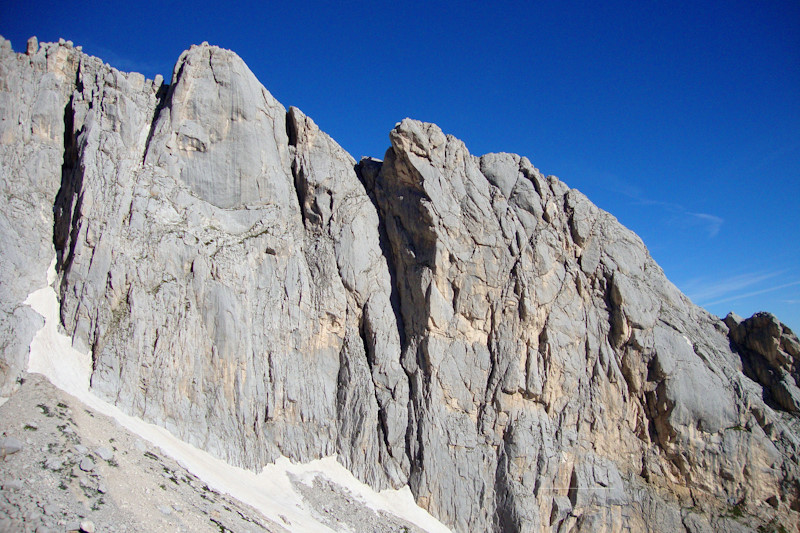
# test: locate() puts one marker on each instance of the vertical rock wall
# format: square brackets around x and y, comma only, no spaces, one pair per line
[461,324]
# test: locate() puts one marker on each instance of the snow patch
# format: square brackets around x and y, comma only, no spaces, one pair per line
[271,491]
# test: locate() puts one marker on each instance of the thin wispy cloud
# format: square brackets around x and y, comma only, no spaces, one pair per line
[680,216]
[704,290]
[754,293]
[712,223]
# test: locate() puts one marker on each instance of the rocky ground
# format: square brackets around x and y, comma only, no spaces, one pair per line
[78,470]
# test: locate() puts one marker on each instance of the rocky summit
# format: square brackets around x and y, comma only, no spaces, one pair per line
[462,325]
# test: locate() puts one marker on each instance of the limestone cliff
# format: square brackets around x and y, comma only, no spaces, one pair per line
[461,324]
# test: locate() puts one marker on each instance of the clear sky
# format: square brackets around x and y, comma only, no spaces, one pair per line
[682,119]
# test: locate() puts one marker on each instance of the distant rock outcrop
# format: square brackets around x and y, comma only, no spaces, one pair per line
[770,355]
[461,324]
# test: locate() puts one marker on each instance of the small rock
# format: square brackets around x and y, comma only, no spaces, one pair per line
[9,445]
[165,510]
[68,430]
[87,465]
[51,510]
[32,426]
[33,46]
[53,463]
[101,488]
[81,449]
[13,484]
[10,525]
[87,526]
[104,453]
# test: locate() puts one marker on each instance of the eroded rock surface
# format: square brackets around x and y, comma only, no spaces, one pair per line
[461,324]
[554,368]
[770,354]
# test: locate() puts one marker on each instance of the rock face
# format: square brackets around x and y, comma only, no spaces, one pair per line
[464,325]
[770,355]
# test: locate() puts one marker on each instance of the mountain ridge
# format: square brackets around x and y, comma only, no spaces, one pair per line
[461,324]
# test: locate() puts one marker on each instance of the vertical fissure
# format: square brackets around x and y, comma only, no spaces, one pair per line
[369,351]
[367,170]
[162,97]
[298,178]
[68,201]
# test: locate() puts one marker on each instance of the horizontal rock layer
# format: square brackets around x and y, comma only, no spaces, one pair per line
[461,324]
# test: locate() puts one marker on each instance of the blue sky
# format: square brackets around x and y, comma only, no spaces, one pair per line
[682,119]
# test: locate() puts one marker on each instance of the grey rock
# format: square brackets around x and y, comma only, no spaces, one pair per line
[463,325]
[9,446]
[87,465]
[32,46]
[87,526]
[211,138]
[570,306]
[13,484]
[695,523]
[33,94]
[104,453]
[51,510]
[770,354]
[53,463]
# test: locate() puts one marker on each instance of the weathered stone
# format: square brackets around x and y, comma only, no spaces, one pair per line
[464,325]
[12,484]
[104,453]
[87,465]
[10,445]
[53,463]
[32,46]
[770,354]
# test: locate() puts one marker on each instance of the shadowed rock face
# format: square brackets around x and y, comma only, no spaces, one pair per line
[465,325]
[770,354]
